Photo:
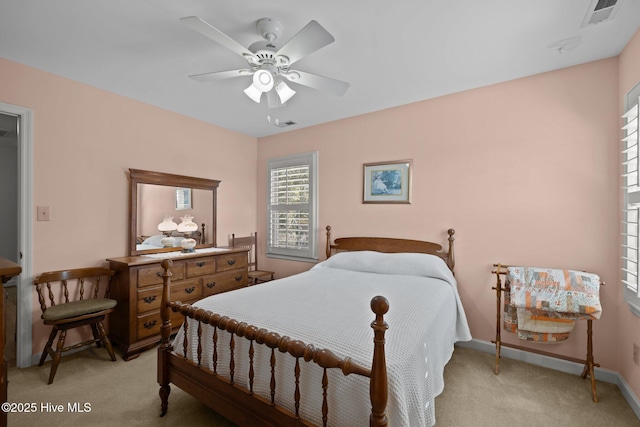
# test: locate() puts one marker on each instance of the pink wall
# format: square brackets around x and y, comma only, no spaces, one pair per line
[85,140]
[524,171]
[629,325]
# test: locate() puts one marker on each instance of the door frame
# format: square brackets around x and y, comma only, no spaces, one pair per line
[25,241]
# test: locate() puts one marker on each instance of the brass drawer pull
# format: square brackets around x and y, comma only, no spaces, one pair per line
[201,264]
[210,285]
[239,278]
[231,261]
[151,299]
[149,325]
[190,290]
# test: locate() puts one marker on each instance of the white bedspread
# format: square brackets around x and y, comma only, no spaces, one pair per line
[329,306]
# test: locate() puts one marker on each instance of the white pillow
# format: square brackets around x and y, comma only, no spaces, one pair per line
[154,240]
[411,264]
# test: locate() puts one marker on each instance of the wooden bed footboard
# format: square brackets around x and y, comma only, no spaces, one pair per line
[240,405]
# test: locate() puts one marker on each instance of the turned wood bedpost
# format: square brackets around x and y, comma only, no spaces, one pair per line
[378,386]
[451,261]
[328,248]
[165,334]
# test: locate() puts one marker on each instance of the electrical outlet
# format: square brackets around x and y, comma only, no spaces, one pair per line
[636,354]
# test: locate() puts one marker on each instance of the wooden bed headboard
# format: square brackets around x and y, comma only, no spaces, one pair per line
[391,245]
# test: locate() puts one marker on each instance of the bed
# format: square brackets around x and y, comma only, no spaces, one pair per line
[296,351]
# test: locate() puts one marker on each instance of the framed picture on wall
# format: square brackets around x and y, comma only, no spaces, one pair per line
[387,182]
[183,199]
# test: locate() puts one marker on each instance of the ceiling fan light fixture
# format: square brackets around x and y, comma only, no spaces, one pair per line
[263,80]
[253,93]
[269,64]
[284,92]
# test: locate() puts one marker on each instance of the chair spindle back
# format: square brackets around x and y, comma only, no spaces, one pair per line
[48,285]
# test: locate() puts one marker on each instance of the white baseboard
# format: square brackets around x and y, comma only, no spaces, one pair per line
[558,365]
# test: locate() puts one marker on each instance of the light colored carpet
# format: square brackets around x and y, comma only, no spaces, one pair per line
[126,394]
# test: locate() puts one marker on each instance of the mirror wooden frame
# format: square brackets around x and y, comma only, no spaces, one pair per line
[137,176]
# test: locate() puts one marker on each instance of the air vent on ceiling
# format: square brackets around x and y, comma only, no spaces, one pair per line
[600,11]
[285,124]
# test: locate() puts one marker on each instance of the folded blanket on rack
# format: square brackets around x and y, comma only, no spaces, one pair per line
[521,326]
[543,303]
[539,321]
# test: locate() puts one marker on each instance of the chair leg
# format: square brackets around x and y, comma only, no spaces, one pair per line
[96,335]
[105,340]
[57,354]
[47,348]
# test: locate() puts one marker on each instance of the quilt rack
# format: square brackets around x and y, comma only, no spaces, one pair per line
[589,364]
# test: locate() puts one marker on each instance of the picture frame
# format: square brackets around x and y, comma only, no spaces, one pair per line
[387,182]
[183,199]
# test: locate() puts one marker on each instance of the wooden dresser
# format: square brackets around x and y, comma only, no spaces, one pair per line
[8,269]
[135,324]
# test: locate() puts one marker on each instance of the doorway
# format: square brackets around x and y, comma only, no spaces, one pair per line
[15,169]
[9,220]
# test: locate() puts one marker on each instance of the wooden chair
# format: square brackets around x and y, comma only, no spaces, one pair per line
[69,308]
[251,242]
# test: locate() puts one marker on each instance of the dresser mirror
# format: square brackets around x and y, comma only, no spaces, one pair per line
[156,195]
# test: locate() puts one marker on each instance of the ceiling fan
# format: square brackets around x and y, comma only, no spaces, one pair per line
[269,64]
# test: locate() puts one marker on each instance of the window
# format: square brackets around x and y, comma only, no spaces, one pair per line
[292,207]
[631,201]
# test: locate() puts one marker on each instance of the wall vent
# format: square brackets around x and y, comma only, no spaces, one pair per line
[600,11]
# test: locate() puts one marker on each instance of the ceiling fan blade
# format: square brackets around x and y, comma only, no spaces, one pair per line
[309,39]
[216,35]
[221,75]
[325,84]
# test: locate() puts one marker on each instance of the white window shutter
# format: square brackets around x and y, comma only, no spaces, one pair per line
[631,208]
[292,207]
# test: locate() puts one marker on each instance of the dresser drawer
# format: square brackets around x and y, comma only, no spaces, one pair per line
[149,324]
[150,298]
[187,290]
[231,262]
[223,282]
[200,267]
[152,275]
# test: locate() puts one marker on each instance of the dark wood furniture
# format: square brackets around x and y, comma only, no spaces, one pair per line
[389,245]
[71,299]
[589,363]
[8,269]
[251,243]
[243,407]
[135,324]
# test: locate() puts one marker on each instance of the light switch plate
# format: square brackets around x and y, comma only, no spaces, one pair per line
[44,213]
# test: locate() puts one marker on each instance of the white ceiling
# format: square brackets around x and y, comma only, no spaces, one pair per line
[392,52]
